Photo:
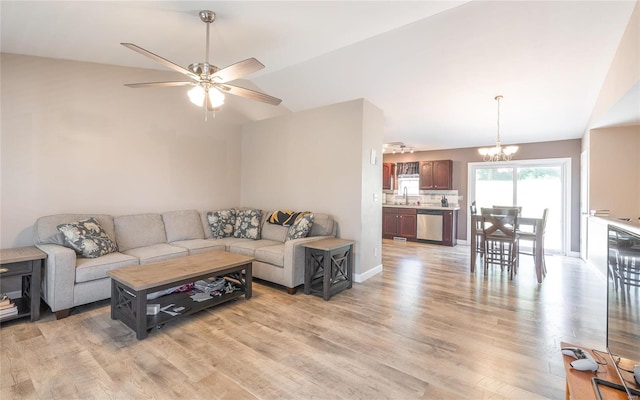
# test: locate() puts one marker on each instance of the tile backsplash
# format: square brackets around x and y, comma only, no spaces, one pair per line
[426,197]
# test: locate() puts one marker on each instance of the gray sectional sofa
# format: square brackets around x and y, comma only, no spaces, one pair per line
[69,280]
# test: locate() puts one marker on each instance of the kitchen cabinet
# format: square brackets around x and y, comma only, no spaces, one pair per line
[449,227]
[402,222]
[388,176]
[436,175]
[399,222]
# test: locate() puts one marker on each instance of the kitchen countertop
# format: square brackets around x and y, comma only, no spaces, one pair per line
[422,206]
[631,226]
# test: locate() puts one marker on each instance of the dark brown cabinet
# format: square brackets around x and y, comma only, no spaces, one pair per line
[436,175]
[399,222]
[403,222]
[449,227]
[387,174]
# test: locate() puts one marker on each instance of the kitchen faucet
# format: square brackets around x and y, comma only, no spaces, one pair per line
[405,194]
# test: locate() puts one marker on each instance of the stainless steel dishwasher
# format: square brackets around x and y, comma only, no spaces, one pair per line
[429,225]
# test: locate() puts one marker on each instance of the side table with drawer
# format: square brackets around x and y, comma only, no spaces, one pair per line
[328,266]
[26,262]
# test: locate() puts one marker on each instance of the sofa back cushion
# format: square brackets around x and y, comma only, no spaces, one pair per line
[274,232]
[46,228]
[323,225]
[133,231]
[182,225]
[205,224]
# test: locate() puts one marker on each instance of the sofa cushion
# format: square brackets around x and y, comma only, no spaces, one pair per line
[323,225]
[46,228]
[141,230]
[274,232]
[301,227]
[273,255]
[89,269]
[87,238]
[227,242]
[248,224]
[248,248]
[157,252]
[197,246]
[222,223]
[182,225]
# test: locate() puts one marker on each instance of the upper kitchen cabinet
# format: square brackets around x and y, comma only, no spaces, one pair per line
[436,175]
[387,175]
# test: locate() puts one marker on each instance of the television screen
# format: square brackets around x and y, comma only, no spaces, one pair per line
[623,301]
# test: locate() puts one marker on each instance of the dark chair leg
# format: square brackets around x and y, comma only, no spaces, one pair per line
[61,314]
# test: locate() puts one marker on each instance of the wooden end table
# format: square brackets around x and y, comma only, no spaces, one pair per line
[130,286]
[328,266]
[26,262]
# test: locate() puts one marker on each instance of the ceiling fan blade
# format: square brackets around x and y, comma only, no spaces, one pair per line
[158,84]
[160,60]
[249,94]
[237,70]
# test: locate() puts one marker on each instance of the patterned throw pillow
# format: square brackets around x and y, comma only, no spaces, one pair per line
[283,217]
[222,223]
[247,224]
[301,227]
[87,238]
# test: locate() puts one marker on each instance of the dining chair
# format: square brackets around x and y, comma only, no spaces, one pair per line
[532,236]
[477,229]
[500,238]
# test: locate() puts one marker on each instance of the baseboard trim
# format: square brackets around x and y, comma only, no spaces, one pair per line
[359,278]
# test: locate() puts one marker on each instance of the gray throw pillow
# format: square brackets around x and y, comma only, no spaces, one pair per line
[301,227]
[87,238]
[222,223]
[247,224]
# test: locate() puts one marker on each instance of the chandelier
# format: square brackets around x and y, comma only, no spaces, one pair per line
[498,153]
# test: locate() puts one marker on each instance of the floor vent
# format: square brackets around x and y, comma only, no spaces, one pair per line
[399,239]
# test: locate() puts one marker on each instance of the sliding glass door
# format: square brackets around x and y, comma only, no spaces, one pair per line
[532,184]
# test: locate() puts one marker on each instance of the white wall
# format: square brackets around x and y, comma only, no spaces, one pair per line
[317,160]
[74,139]
[371,207]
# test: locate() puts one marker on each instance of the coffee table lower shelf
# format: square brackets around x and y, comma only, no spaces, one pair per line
[130,306]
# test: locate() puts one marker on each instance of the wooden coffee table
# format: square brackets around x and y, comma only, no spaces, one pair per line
[130,286]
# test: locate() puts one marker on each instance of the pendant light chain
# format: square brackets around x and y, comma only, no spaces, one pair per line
[498,98]
[498,153]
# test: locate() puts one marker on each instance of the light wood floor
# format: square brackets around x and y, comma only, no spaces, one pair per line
[423,329]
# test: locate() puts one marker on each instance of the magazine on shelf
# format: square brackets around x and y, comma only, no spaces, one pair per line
[7,307]
[9,311]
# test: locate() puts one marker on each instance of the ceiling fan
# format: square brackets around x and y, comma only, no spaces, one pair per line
[209,82]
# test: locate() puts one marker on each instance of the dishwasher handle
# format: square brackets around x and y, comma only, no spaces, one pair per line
[430,212]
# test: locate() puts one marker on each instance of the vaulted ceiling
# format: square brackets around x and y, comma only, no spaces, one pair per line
[433,67]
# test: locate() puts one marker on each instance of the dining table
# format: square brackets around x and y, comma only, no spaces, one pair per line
[525,224]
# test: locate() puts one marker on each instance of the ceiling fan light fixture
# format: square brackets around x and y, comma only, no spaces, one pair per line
[216,98]
[204,77]
[196,95]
